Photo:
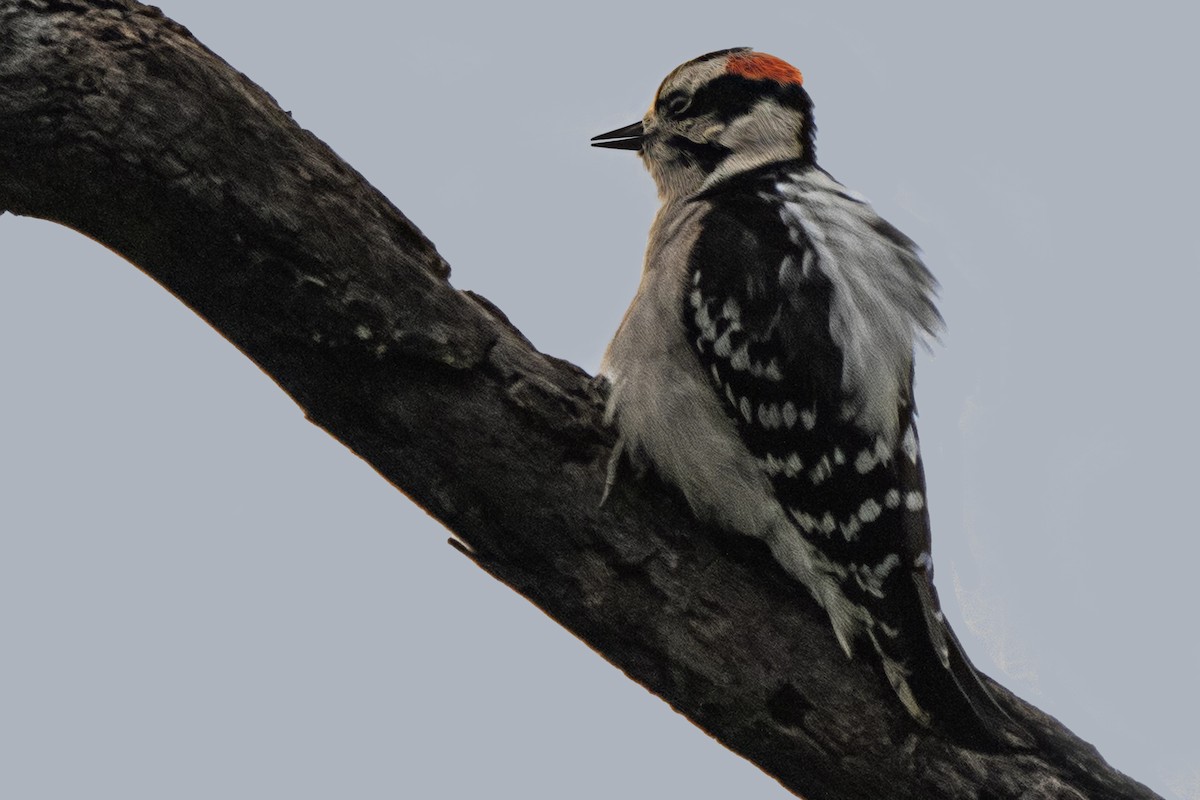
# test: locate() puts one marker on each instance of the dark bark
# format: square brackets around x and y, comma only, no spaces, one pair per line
[115,122]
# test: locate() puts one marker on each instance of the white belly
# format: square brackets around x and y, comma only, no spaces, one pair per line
[667,412]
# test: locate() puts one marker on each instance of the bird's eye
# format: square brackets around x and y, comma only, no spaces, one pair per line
[676,104]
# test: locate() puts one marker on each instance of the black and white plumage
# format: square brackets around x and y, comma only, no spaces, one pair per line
[765,368]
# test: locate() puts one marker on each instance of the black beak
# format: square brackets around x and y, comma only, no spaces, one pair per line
[627,138]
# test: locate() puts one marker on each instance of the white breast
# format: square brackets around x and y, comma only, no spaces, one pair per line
[663,403]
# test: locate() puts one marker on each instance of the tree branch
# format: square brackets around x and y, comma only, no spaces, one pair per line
[116,122]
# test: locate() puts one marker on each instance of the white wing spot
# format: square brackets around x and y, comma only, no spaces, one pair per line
[704,322]
[696,278]
[869,511]
[828,523]
[821,471]
[914,501]
[740,360]
[731,311]
[715,373]
[772,370]
[808,418]
[871,578]
[729,394]
[909,444]
[867,459]
[839,457]
[922,561]
[789,414]
[785,267]
[744,407]
[764,416]
[793,466]
[696,299]
[850,529]
[722,346]
[804,520]
[892,499]
[808,264]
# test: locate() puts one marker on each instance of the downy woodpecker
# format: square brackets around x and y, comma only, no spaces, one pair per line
[765,368]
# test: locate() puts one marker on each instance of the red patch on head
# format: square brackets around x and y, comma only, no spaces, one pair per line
[760,66]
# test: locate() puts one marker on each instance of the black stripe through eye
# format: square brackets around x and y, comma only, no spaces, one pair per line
[674,104]
[731,96]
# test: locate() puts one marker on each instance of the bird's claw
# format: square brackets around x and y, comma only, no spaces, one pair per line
[614,467]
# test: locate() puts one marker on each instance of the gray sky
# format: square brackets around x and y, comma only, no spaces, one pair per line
[202,595]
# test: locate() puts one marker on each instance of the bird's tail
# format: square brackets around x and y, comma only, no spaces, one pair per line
[938,685]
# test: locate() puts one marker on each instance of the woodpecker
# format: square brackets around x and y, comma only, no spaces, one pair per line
[765,369]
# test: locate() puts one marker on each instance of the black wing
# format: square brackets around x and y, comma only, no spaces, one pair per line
[758,314]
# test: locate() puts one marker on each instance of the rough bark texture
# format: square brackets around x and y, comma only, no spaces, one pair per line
[116,122]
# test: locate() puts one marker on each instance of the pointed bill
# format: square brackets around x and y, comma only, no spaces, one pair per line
[626,138]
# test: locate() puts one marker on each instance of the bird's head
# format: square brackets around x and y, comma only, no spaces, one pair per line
[718,115]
